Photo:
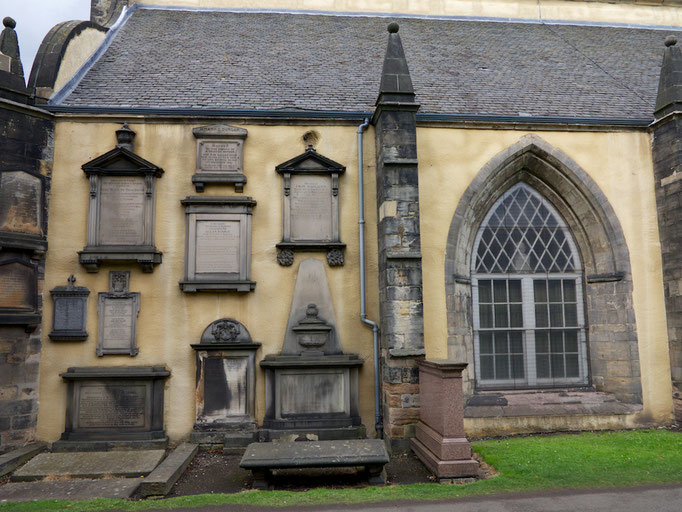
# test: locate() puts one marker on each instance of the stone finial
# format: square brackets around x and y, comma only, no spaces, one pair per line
[669,98]
[9,22]
[125,136]
[12,84]
[396,84]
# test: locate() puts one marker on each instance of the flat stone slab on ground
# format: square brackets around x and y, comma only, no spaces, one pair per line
[348,452]
[69,489]
[126,464]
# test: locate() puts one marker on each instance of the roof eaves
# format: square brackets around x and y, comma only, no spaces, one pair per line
[69,87]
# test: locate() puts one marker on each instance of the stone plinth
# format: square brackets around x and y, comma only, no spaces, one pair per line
[441,443]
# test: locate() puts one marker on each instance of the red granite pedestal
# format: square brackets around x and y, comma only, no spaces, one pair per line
[441,443]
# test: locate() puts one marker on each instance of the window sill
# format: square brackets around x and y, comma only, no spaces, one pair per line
[539,403]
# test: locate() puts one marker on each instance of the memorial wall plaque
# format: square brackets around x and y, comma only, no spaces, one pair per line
[70,312]
[114,403]
[220,156]
[310,207]
[118,310]
[122,204]
[22,211]
[17,285]
[218,244]
[225,385]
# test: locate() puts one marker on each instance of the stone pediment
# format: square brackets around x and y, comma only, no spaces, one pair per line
[219,131]
[310,161]
[121,161]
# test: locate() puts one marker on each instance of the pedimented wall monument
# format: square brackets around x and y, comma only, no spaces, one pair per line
[122,205]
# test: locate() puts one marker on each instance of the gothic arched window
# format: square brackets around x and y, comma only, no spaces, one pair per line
[529,322]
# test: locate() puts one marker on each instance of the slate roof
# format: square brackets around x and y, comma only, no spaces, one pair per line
[302,62]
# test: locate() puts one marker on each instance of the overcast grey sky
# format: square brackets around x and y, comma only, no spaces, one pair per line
[35,18]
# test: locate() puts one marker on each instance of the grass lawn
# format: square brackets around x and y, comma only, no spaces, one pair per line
[530,463]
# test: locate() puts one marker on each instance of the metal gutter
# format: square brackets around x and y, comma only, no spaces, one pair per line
[359,116]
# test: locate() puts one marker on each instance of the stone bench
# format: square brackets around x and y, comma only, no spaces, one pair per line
[261,458]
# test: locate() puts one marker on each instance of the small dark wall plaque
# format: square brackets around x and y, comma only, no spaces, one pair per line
[220,156]
[122,205]
[218,244]
[118,309]
[70,312]
[226,378]
[22,211]
[19,293]
[310,207]
[114,403]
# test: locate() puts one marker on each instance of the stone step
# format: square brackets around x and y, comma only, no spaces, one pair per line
[123,464]
[12,460]
[69,489]
[160,481]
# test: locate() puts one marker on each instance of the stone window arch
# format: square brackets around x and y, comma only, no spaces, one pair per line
[611,350]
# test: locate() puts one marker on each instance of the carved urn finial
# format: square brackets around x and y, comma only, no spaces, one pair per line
[312,332]
[125,136]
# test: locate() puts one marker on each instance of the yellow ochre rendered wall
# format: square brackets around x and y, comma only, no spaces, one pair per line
[608,12]
[620,164]
[170,320]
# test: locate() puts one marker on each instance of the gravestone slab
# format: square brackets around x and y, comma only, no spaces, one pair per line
[310,207]
[122,207]
[69,312]
[126,464]
[120,488]
[22,211]
[118,310]
[220,156]
[226,384]
[114,403]
[218,244]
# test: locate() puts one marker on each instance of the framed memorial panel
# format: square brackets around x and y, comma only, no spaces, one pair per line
[69,312]
[122,205]
[23,215]
[19,293]
[310,207]
[218,244]
[118,310]
[220,156]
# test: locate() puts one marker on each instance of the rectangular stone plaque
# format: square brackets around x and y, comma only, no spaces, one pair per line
[20,202]
[122,212]
[312,392]
[113,405]
[118,323]
[220,156]
[217,246]
[311,208]
[225,387]
[17,288]
[69,313]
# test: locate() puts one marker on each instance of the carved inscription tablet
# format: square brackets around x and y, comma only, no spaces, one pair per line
[20,202]
[217,246]
[16,286]
[113,405]
[118,323]
[311,208]
[223,156]
[312,393]
[225,387]
[122,210]
[69,313]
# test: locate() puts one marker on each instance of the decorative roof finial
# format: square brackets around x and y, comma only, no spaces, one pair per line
[125,136]
[670,41]
[9,22]
[393,27]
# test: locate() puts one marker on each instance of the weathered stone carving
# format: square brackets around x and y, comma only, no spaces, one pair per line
[22,211]
[220,156]
[19,293]
[118,310]
[218,244]
[310,207]
[122,204]
[225,385]
[69,312]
